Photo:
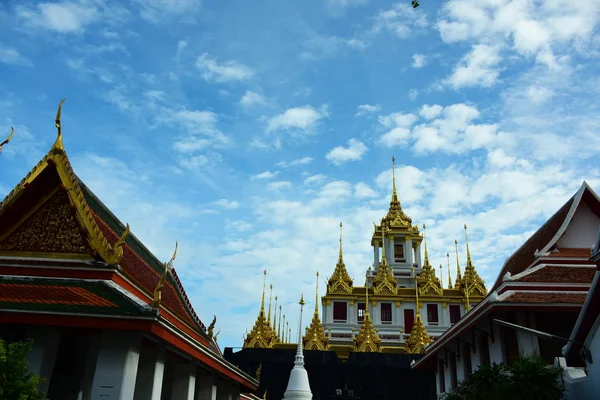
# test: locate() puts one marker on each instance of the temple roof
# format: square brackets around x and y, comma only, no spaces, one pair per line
[315,337]
[262,334]
[69,296]
[340,282]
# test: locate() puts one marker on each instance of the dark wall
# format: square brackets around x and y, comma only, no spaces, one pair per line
[371,376]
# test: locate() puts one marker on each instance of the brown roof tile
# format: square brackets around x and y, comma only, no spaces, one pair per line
[524,256]
[571,252]
[546,298]
[552,274]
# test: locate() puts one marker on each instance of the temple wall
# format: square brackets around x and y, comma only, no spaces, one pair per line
[582,230]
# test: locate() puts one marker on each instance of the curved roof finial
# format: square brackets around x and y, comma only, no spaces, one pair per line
[58,144]
[12,132]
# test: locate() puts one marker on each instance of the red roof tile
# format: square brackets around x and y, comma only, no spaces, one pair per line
[561,275]
[546,298]
[48,294]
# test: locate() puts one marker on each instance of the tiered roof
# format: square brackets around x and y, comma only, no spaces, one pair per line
[81,260]
[315,337]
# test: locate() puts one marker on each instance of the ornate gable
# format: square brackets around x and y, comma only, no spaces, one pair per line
[340,282]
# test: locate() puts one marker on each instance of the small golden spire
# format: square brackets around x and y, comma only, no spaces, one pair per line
[416,289]
[449,274]
[283,331]
[288,331]
[315,337]
[270,298]
[302,302]
[419,339]
[425,243]
[394,193]
[58,144]
[427,281]
[441,276]
[384,281]
[262,335]
[473,284]
[10,135]
[367,339]
[458,282]
[279,333]
[466,280]
[289,334]
[275,317]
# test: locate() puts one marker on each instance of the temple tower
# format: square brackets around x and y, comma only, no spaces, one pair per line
[298,386]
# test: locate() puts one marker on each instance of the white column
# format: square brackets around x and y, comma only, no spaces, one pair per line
[150,376]
[224,392]
[43,355]
[206,388]
[85,391]
[376,256]
[409,252]
[184,380]
[116,367]
[418,253]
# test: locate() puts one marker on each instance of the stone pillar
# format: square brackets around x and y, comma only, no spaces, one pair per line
[117,365]
[206,388]
[150,376]
[376,256]
[85,391]
[408,253]
[224,392]
[43,355]
[418,255]
[184,381]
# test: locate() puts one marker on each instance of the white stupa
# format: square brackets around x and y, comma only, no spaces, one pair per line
[298,386]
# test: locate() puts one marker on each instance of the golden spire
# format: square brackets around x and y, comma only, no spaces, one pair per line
[275,317]
[315,338]
[428,282]
[458,282]
[473,284]
[8,139]
[416,291]
[384,281]
[341,255]
[283,332]
[419,339]
[262,335]
[442,276]
[58,144]
[449,275]
[396,218]
[279,333]
[289,333]
[270,298]
[340,282]
[367,339]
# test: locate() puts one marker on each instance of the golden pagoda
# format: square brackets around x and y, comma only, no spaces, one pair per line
[367,340]
[402,306]
[261,335]
[340,282]
[428,282]
[315,337]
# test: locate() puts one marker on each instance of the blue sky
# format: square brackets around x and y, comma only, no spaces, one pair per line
[248,130]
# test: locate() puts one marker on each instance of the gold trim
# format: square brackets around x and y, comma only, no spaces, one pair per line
[53,256]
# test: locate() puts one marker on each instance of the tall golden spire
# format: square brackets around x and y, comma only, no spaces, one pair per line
[441,276]
[394,192]
[261,335]
[315,338]
[384,281]
[275,317]
[429,284]
[396,218]
[458,282]
[340,282]
[419,338]
[341,255]
[473,284]
[367,339]
[270,298]
[283,332]
[279,333]
[449,274]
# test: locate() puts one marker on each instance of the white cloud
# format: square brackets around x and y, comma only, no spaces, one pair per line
[539,95]
[477,68]
[400,20]
[155,11]
[9,55]
[266,175]
[412,94]
[250,99]
[315,179]
[397,136]
[419,60]
[299,118]
[362,190]
[228,71]
[430,112]
[62,17]
[353,152]
[356,44]
[365,109]
[278,185]
[294,163]
[239,226]
[398,119]
[227,204]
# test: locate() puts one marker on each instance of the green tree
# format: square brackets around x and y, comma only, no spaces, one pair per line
[16,383]
[528,377]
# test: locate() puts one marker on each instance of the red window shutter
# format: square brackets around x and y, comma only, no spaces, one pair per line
[386,313]
[340,311]
[432,314]
[409,320]
[454,313]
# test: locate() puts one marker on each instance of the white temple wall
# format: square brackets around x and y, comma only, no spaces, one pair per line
[582,230]
[43,355]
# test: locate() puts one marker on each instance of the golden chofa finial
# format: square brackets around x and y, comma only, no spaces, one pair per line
[10,135]
[58,144]
[161,282]
[117,252]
